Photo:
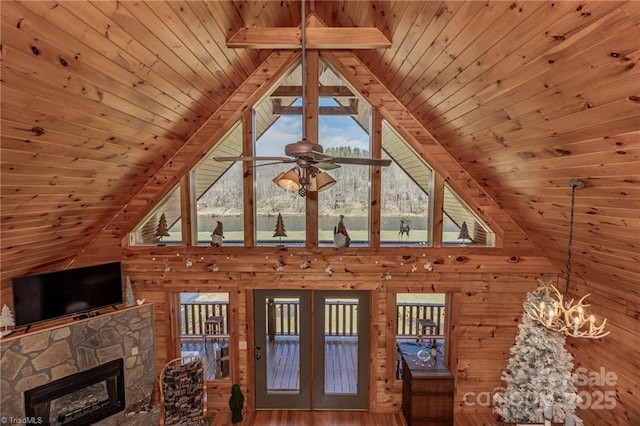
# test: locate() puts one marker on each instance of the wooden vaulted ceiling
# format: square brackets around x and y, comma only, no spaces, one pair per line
[98,97]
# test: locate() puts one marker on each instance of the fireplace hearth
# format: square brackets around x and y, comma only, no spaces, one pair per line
[79,399]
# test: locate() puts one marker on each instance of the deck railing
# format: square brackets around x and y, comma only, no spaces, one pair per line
[341,317]
[409,314]
[194,314]
[282,318]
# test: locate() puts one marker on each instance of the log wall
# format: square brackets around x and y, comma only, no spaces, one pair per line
[487,291]
[608,368]
[487,288]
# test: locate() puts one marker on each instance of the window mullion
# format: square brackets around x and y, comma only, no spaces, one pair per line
[247,180]
[311,130]
[376,176]
[437,211]
[188,230]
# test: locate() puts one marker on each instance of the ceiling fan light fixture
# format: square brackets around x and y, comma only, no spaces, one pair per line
[289,180]
[277,178]
[321,181]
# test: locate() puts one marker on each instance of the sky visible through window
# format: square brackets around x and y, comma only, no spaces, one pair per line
[334,132]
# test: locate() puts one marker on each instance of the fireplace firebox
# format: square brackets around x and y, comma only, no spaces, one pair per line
[79,399]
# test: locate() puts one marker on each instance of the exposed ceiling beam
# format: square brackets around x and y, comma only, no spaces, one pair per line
[351,109]
[316,38]
[323,91]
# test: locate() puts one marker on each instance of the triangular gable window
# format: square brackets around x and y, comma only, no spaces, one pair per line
[405,191]
[461,226]
[162,225]
[217,190]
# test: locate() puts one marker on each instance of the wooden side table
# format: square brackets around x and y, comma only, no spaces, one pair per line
[427,392]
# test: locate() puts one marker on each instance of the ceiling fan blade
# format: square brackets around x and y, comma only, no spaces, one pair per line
[279,159]
[315,156]
[289,160]
[361,161]
[325,165]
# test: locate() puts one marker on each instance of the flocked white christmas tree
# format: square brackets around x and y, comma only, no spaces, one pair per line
[539,371]
[6,320]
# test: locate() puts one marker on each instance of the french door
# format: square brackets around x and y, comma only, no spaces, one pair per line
[311,349]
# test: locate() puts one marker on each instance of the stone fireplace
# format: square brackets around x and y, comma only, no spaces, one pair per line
[90,371]
[81,398]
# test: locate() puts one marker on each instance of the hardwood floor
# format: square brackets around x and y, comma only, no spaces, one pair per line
[473,419]
[284,354]
[338,418]
[313,418]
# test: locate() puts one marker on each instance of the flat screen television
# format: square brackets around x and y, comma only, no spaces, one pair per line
[51,295]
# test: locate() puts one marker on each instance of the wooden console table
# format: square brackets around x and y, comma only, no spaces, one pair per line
[427,392]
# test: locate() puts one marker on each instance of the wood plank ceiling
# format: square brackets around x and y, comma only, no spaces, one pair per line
[98,96]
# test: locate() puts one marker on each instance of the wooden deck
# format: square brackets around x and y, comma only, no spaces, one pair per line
[284,359]
[211,354]
[341,363]
[283,372]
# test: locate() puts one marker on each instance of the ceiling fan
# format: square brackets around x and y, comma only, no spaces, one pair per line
[308,156]
[305,154]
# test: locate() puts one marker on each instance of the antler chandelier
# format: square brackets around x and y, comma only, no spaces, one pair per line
[565,316]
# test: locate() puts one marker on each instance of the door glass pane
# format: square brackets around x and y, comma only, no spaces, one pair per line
[341,346]
[283,345]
